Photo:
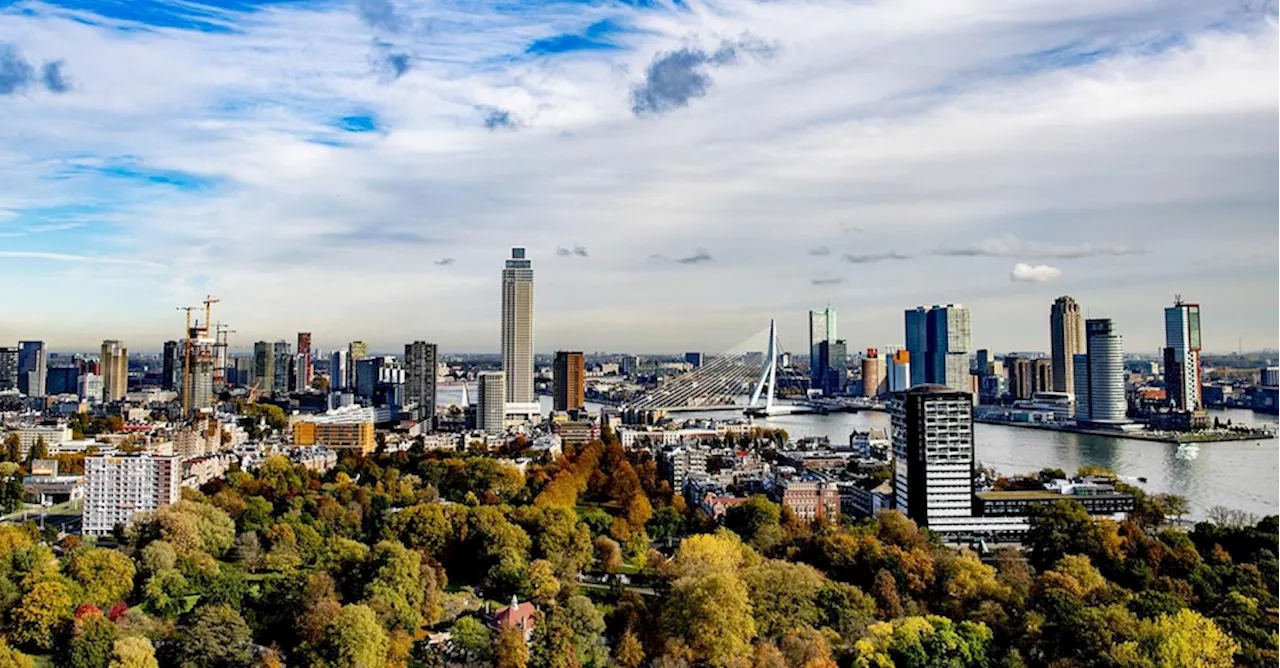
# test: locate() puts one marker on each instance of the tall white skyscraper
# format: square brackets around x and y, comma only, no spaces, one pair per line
[517,327]
[822,329]
[1182,354]
[1099,375]
[338,370]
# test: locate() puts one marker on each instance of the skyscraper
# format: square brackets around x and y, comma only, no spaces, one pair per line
[264,367]
[938,340]
[835,358]
[1099,375]
[569,380]
[491,412]
[8,369]
[517,327]
[32,363]
[171,365]
[1182,354]
[932,453]
[917,338]
[114,360]
[898,371]
[1066,340]
[822,328]
[356,351]
[302,366]
[338,371]
[420,380]
[283,354]
[693,359]
[873,374]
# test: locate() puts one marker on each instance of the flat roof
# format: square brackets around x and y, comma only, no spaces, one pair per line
[1038,495]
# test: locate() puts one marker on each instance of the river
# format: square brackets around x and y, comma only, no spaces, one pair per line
[1241,475]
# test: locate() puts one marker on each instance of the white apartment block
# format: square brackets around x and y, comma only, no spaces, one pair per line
[53,436]
[118,488]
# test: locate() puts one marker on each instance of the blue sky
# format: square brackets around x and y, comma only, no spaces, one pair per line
[681,172]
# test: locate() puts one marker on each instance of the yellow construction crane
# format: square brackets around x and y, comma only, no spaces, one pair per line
[209,301]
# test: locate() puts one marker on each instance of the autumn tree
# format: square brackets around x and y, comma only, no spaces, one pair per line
[39,614]
[629,654]
[12,658]
[609,554]
[134,652]
[784,596]
[355,639]
[92,643]
[105,576]
[510,650]
[214,636]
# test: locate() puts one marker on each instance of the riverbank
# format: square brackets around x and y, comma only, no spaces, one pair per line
[1142,435]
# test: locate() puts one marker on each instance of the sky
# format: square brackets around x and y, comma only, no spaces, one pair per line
[681,172]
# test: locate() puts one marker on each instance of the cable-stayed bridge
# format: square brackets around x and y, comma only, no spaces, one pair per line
[744,377]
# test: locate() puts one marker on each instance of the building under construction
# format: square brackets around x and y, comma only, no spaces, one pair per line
[200,350]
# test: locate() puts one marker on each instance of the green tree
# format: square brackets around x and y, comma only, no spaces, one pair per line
[92,642]
[784,596]
[471,640]
[105,576]
[39,614]
[924,642]
[1186,638]
[711,614]
[38,451]
[214,636]
[1057,529]
[510,650]
[13,448]
[757,520]
[397,586]
[580,615]
[355,639]
[134,652]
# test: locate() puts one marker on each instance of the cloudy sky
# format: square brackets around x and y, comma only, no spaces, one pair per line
[681,171]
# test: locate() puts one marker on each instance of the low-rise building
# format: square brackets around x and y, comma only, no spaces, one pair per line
[577,432]
[871,444]
[810,497]
[346,428]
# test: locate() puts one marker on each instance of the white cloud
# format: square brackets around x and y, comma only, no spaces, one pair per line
[1040,273]
[1050,130]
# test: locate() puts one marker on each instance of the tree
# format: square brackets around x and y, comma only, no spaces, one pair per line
[38,615]
[543,583]
[355,639]
[398,585]
[1188,639]
[12,658]
[629,652]
[510,650]
[609,553]
[711,614]
[1057,529]
[92,642]
[134,652]
[750,519]
[471,640]
[580,615]
[784,596]
[105,576]
[11,488]
[924,642]
[214,636]
[13,448]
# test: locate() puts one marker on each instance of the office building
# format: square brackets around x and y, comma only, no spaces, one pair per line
[629,366]
[822,328]
[171,365]
[32,364]
[1182,355]
[679,464]
[117,488]
[264,367]
[569,380]
[938,340]
[517,327]
[982,363]
[339,372]
[346,428]
[834,355]
[302,366]
[1269,377]
[8,369]
[62,380]
[1100,375]
[898,371]
[283,354]
[932,453]
[90,388]
[1028,376]
[420,381]
[874,381]
[1066,340]
[356,351]
[693,360]
[114,365]
[491,411]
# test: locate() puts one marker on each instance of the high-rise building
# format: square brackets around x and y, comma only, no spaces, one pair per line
[982,362]
[89,388]
[62,380]
[356,351]
[1042,375]
[569,380]
[834,354]
[338,371]
[302,367]
[1021,376]
[264,367]
[114,362]
[491,411]
[1066,340]
[283,353]
[420,380]
[517,327]
[938,341]
[822,328]
[693,359]
[898,371]
[32,364]
[1182,355]
[874,382]
[117,488]
[932,453]
[1099,375]
[171,365]
[629,366]
[8,369]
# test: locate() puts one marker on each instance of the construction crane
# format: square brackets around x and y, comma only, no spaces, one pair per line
[186,361]
[220,354]
[209,301]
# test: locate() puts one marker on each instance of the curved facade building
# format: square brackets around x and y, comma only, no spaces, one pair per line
[1105,373]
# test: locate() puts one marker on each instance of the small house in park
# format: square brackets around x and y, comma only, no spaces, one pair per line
[515,616]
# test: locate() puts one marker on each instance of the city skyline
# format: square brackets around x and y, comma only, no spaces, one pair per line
[880,156]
